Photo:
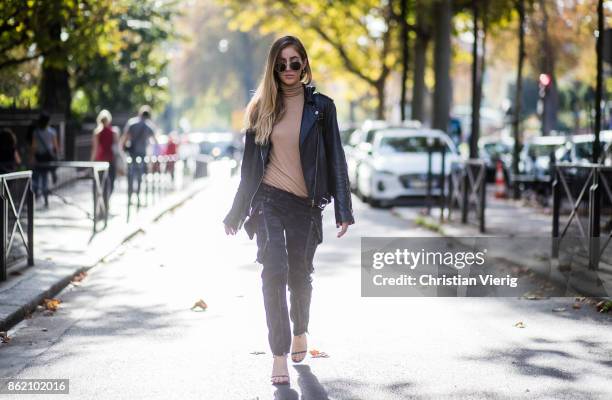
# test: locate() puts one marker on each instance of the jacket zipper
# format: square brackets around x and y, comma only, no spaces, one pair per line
[314,190]
[263,166]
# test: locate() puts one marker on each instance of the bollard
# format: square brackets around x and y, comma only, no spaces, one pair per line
[556,187]
[442,183]
[483,199]
[594,221]
[429,175]
[465,195]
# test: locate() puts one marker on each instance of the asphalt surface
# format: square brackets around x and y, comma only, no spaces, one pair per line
[127,331]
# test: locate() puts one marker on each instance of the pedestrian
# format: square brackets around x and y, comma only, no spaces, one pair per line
[138,133]
[104,147]
[171,151]
[9,156]
[293,164]
[44,149]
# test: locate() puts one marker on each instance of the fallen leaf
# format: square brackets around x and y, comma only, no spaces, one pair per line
[79,277]
[4,337]
[576,306]
[51,304]
[318,354]
[520,324]
[200,304]
[604,306]
[256,353]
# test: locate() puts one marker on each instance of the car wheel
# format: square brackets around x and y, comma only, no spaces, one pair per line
[374,202]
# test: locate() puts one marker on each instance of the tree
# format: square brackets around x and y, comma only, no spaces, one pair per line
[214,73]
[61,33]
[516,118]
[404,40]
[442,59]
[421,42]
[353,36]
[135,72]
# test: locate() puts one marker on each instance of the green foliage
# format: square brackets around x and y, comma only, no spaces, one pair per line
[135,73]
[61,31]
[344,36]
[111,48]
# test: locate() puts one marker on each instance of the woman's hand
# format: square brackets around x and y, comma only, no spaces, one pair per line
[343,230]
[230,230]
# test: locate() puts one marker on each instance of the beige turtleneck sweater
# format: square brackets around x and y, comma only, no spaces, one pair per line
[284,169]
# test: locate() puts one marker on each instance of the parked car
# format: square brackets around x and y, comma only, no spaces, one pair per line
[396,165]
[219,145]
[346,131]
[360,141]
[535,157]
[579,148]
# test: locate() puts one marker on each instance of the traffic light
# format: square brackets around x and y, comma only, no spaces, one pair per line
[545,81]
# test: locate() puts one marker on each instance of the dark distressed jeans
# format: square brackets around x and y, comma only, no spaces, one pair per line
[288,232]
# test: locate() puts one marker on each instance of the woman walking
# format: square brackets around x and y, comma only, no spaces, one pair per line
[293,165]
[104,145]
[44,149]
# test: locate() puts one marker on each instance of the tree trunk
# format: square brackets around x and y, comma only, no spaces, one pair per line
[246,72]
[420,63]
[517,98]
[599,84]
[475,85]
[380,96]
[55,94]
[550,104]
[442,57]
[478,71]
[405,56]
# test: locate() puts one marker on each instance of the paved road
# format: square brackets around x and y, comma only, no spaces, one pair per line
[128,332]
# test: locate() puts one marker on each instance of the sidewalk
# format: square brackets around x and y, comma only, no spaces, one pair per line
[528,245]
[64,244]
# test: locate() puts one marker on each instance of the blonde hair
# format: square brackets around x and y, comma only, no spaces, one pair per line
[266,105]
[103,116]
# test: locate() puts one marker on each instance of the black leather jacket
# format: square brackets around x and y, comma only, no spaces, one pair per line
[322,157]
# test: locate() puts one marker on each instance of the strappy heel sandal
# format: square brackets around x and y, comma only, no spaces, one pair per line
[283,382]
[298,352]
[294,353]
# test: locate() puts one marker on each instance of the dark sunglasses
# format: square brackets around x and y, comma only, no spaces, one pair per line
[294,65]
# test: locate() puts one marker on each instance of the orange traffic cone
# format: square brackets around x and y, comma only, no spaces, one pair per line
[500,181]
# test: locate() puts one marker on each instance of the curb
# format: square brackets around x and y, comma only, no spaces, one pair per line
[25,302]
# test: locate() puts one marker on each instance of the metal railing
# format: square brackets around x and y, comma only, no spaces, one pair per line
[155,176]
[16,199]
[467,190]
[71,172]
[581,185]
